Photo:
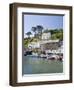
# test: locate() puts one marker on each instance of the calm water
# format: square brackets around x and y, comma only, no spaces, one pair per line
[35,65]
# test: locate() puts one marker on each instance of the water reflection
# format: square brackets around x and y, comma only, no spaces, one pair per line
[35,65]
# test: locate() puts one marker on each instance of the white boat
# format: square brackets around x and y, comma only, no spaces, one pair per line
[43,56]
[35,54]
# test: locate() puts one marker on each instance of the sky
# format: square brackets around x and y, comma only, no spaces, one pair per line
[47,21]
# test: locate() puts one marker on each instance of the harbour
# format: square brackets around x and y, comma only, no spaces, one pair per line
[37,65]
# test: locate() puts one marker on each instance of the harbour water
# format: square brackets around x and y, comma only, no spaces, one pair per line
[37,65]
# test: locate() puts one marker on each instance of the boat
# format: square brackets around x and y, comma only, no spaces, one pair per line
[35,54]
[43,56]
[52,56]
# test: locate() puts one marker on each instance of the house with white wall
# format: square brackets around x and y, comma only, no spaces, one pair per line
[34,45]
[46,36]
[47,45]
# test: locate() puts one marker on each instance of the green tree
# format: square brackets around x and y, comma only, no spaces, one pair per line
[28,34]
[53,31]
[39,30]
[57,35]
[34,30]
[46,31]
[53,37]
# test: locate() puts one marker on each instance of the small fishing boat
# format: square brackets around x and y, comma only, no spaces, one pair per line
[43,56]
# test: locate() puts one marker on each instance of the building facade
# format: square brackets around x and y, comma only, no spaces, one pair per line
[46,36]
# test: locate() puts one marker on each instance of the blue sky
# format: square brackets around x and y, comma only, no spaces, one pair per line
[50,22]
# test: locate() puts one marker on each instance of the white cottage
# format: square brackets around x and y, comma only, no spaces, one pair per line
[46,36]
[34,45]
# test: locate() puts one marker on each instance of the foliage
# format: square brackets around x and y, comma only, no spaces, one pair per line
[38,30]
[55,33]
[34,30]
[28,34]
